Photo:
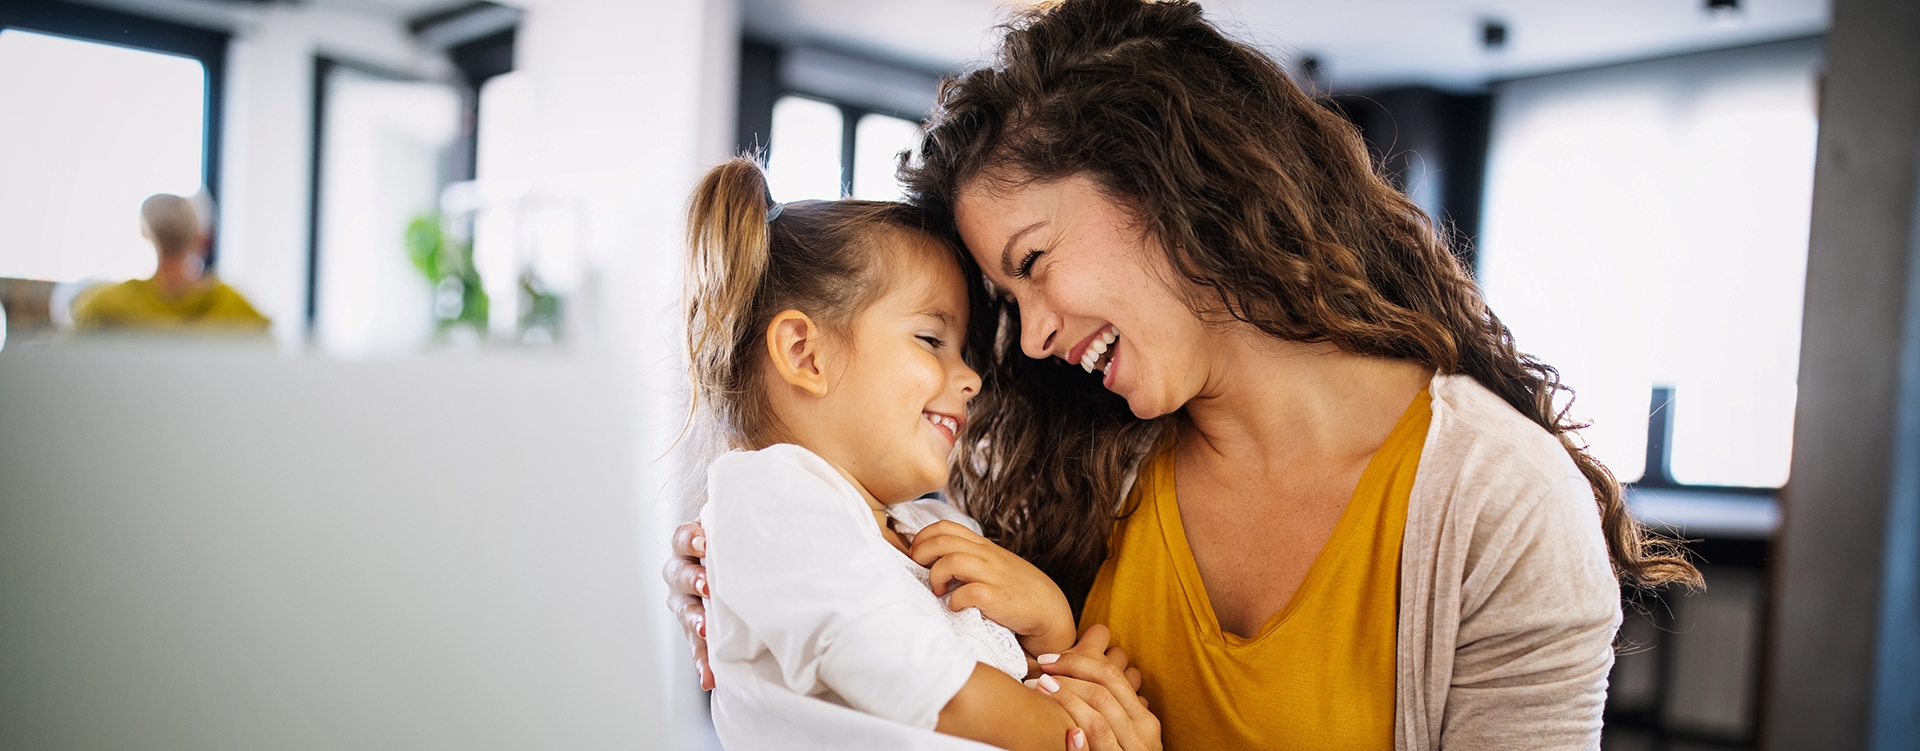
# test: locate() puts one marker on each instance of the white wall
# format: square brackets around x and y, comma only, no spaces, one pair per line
[632,101]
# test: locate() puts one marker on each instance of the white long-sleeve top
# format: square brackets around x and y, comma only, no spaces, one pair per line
[819,633]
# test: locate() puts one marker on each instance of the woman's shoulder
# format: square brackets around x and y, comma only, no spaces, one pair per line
[1480,439]
[1491,468]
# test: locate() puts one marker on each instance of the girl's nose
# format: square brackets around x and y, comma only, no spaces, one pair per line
[968,381]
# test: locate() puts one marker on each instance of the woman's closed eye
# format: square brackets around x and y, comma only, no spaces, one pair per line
[1025,269]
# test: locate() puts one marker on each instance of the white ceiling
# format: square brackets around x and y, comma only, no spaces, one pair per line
[1360,43]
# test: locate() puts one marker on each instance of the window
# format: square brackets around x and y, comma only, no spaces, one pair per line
[804,150]
[877,143]
[383,144]
[807,157]
[1646,225]
[111,125]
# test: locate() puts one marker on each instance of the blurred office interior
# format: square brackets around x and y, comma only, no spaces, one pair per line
[428,508]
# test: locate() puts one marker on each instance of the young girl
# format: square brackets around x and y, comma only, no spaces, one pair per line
[825,338]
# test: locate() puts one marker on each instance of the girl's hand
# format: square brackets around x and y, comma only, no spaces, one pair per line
[1101,694]
[1004,586]
[686,584]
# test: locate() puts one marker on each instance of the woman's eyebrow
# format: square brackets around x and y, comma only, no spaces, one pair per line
[1006,253]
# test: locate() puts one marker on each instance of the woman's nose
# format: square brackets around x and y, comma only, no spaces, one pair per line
[1037,333]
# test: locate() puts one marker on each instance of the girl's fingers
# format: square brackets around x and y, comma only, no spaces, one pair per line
[1133,677]
[947,528]
[925,550]
[982,596]
[965,567]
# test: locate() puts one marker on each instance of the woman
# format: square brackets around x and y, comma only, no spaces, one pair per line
[1315,493]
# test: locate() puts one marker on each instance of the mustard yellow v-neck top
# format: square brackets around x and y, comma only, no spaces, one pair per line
[1320,673]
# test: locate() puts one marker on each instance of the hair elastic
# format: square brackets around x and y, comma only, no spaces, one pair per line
[774,213]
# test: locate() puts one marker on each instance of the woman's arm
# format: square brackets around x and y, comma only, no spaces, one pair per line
[1538,611]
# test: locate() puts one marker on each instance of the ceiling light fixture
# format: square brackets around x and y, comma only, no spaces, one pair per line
[1493,34]
[1725,13]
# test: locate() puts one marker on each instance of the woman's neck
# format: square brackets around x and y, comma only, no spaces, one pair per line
[1269,403]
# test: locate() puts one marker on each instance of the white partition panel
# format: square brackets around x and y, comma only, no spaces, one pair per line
[222,549]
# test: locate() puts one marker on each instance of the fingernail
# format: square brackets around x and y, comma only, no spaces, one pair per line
[1048,684]
[700,625]
[1047,659]
[700,584]
[700,546]
[1079,738]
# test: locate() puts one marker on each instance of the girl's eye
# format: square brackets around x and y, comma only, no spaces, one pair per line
[933,341]
[1026,265]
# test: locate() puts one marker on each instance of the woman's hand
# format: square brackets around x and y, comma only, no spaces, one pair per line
[1101,693]
[1004,586]
[686,584]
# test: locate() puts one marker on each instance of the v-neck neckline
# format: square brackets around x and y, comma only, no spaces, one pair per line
[1166,505]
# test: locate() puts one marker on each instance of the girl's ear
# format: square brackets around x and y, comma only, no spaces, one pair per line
[794,342]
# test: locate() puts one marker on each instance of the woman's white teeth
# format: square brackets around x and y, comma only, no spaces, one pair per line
[1095,358]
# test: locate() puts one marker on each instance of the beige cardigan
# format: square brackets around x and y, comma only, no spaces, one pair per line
[1508,604]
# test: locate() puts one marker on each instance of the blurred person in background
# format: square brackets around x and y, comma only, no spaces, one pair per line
[181,294]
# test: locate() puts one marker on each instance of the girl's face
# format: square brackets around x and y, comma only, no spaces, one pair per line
[1093,290]
[900,389]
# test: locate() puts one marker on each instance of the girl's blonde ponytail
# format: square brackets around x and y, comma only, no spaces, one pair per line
[729,253]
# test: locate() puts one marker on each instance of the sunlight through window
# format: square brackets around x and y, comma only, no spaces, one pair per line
[804,150]
[110,126]
[1648,226]
[877,143]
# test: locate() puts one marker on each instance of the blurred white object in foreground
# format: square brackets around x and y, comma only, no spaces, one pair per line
[203,548]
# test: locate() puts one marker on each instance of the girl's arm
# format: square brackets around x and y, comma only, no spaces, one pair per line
[796,567]
[996,710]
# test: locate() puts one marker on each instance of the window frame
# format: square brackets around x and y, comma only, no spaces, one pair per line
[761,87]
[118,29]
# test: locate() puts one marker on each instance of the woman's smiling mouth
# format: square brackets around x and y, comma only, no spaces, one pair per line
[1096,351]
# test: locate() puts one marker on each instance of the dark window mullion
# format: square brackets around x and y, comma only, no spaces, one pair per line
[849,125]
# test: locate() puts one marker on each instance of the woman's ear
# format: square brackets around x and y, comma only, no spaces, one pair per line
[794,342]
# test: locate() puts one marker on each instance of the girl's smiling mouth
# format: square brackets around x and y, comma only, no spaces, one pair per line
[948,425]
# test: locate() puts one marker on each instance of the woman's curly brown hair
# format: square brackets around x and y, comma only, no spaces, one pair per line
[1269,208]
